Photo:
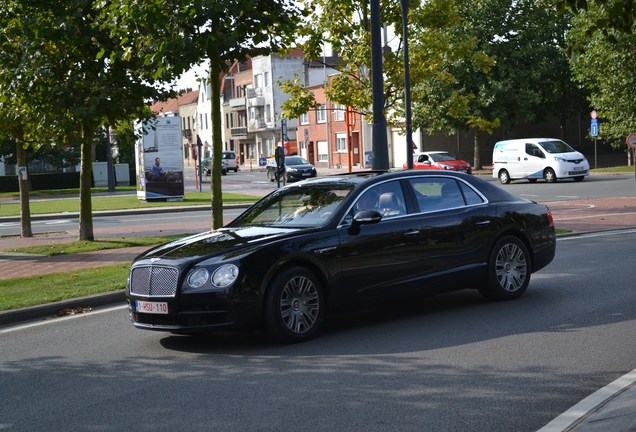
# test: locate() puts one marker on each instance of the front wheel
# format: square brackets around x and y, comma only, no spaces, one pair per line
[504,177]
[509,269]
[549,175]
[294,305]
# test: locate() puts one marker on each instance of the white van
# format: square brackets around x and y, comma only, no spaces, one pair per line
[535,158]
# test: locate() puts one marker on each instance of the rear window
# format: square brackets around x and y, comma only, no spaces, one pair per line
[229,155]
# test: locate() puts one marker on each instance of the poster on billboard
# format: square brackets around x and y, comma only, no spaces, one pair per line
[159,159]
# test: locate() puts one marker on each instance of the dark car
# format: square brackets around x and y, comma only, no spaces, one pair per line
[296,168]
[206,167]
[331,244]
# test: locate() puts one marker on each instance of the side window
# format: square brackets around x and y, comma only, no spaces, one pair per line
[387,198]
[434,194]
[534,150]
[472,197]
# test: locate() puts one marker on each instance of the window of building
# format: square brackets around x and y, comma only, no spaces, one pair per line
[341,142]
[323,151]
[268,112]
[258,80]
[304,119]
[266,79]
[321,114]
[339,112]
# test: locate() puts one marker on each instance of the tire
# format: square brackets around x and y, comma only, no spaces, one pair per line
[504,177]
[549,175]
[236,169]
[270,176]
[579,178]
[294,305]
[509,268]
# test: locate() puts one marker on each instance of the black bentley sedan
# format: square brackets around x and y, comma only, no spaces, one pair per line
[329,244]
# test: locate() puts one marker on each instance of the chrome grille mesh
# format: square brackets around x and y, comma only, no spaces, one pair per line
[154,281]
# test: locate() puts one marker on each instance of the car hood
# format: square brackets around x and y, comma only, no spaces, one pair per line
[454,163]
[215,242]
[301,166]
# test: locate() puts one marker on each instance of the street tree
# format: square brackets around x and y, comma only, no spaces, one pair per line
[490,63]
[345,26]
[219,32]
[79,70]
[602,44]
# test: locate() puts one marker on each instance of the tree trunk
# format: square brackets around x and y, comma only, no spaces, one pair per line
[217,147]
[477,151]
[24,183]
[86,168]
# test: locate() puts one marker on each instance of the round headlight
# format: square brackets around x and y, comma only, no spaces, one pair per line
[224,275]
[198,277]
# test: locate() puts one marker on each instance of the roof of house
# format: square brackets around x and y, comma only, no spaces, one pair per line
[171,106]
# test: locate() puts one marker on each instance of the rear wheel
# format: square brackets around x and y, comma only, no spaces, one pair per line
[509,269]
[294,305]
[549,175]
[504,177]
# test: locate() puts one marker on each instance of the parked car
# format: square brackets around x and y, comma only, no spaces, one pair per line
[231,161]
[439,160]
[536,158]
[206,167]
[296,168]
[335,243]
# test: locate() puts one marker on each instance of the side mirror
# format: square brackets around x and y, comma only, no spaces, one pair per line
[364,217]
[367,217]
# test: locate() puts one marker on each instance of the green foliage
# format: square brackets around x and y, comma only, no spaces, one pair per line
[603,47]
[345,25]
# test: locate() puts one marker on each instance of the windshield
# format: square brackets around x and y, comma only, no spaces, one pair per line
[556,147]
[295,160]
[440,157]
[305,206]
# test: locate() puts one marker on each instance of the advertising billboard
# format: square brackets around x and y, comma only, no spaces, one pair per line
[159,159]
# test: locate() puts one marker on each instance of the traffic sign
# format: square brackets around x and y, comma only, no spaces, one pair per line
[594,127]
[631,140]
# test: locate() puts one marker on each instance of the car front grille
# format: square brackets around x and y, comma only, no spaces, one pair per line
[154,281]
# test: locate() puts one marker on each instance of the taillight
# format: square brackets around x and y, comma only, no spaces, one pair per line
[550,218]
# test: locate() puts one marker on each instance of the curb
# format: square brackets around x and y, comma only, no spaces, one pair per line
[123,212]
[51,309]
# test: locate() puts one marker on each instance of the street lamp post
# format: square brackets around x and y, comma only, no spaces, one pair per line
[380,144]
[407,85]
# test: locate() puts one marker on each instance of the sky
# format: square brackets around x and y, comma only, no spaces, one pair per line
[189,79]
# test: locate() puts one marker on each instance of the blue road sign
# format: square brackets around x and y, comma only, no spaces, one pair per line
[594,128]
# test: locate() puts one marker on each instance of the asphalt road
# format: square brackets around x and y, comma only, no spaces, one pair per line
[597,186]
[451,363]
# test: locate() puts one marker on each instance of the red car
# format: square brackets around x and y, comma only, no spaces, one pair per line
[439,160]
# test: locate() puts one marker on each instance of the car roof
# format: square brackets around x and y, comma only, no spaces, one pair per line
[362,179]
[527,140]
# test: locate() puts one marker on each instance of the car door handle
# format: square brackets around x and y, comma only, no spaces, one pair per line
[412,232]
[484,222]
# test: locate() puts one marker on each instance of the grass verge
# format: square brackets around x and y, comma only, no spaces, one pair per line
[119,202]
[38,290]
[80,246]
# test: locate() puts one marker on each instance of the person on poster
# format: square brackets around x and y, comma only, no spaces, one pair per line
[157,170]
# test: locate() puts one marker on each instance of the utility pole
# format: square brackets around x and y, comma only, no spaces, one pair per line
[380,145]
